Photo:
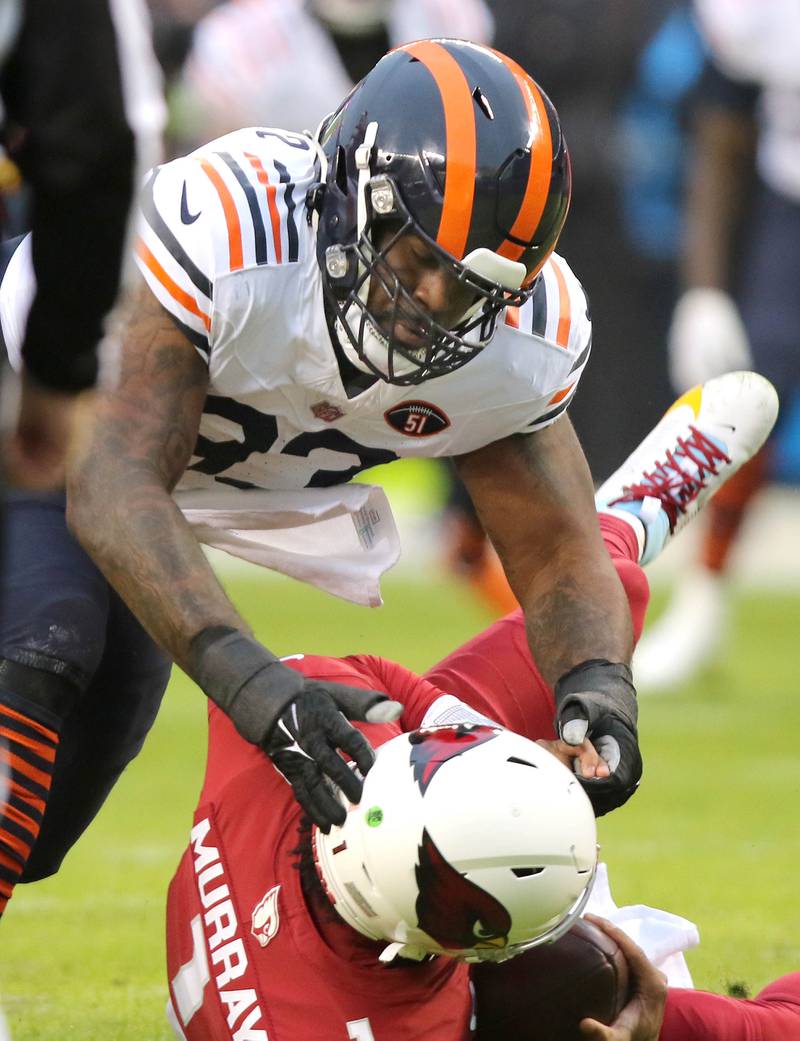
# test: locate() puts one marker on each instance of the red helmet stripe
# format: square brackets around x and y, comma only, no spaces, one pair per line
[541,168]
[460,144]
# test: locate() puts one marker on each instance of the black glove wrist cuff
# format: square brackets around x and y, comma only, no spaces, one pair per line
[612,681]
[225,664]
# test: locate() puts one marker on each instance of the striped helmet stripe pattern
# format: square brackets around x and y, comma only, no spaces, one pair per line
[460,143]
[539,174]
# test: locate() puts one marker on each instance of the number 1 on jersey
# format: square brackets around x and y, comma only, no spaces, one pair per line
[360,1030]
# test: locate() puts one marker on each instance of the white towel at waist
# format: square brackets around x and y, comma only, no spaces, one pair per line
[339,539]
[662,936]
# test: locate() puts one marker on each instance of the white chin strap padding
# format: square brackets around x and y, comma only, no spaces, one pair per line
[510,274]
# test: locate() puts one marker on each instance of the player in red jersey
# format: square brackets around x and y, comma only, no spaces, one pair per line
[254,952]
[254,948]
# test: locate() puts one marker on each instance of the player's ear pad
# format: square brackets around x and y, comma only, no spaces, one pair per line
[543,994]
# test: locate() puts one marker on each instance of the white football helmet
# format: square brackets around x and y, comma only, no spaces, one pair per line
[469,841]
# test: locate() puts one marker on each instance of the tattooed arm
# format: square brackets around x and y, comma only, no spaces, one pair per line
[534,497]
[135,442]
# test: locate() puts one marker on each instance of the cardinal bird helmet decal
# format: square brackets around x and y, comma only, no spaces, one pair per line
[434,746]
[469,841]
[453,910]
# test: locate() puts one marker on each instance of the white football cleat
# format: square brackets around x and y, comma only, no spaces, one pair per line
[700,442]
[687,636]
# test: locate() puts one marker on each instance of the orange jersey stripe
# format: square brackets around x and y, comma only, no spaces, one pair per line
[564,311]
[21,767]
[43,751]
[461,144]
[235,254]
[171,287]
[24,821]
[274,216]
[560,395]
[34,801]
[540,172]
[21,848]
[46,732]
[6,861]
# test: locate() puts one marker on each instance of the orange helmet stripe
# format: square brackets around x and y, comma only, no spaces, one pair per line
[540,172]
[460,144]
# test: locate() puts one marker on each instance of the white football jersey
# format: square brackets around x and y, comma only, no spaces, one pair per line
[227,247]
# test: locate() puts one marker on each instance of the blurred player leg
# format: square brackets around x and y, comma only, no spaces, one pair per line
[4,776]
[689,633]
[104,732]
[469,553]
[71,722]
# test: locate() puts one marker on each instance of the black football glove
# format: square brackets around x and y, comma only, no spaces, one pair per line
[299,723]
[597,700]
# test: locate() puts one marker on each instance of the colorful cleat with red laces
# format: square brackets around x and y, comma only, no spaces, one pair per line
[700,442]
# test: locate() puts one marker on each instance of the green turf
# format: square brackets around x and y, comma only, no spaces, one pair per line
[712,835]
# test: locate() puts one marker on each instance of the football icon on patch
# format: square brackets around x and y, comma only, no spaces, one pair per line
[416,418]
[265,919]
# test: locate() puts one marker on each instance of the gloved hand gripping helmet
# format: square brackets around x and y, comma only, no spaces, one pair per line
[456,143]
[469,841]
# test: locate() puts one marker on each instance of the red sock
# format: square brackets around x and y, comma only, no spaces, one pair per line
[623,548]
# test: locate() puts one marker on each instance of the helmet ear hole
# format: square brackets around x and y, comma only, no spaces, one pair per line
[526,872]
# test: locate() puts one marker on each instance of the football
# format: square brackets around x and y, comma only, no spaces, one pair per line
[543,994]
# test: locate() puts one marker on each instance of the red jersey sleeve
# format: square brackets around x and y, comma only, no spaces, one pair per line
[696,1015]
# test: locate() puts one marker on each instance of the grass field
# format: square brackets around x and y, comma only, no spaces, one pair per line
[713,834]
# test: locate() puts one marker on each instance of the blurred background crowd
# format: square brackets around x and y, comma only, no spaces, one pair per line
[683,121]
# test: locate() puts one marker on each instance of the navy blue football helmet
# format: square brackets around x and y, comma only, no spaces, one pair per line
[455,143]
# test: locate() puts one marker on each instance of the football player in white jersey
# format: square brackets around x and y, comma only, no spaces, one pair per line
[315,307]
[311,307]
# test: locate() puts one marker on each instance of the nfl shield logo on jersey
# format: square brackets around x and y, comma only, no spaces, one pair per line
[265,918]
[325,410]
